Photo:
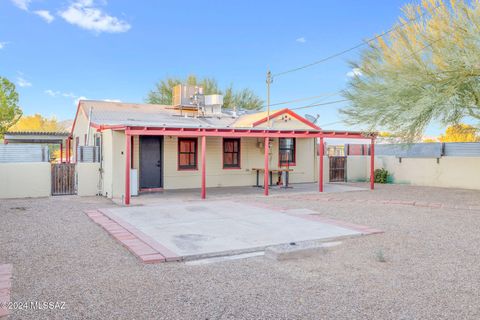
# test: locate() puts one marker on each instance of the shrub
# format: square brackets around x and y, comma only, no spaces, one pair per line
[381,176]
[380,256]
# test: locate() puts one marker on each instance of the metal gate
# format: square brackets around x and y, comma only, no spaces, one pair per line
[338,168]
[63,179]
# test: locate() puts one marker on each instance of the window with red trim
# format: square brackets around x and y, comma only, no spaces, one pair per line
[187,153]
[231,153]
[286,147]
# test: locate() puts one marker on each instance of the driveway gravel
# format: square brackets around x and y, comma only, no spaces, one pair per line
[431,268]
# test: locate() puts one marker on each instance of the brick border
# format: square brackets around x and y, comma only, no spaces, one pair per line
[167,253]
[142,246]
[5,287]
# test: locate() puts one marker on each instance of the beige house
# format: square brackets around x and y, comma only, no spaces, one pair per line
[146,147]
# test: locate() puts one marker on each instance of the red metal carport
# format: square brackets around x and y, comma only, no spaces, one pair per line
[238,133]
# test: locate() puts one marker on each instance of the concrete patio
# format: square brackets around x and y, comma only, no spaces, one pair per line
[187,230]
[149,198]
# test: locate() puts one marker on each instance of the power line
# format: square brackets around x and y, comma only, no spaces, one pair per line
[326,95]
[352,48]
[320,104]
[328,124]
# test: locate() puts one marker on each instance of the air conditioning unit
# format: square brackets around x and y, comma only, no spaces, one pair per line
[188,97]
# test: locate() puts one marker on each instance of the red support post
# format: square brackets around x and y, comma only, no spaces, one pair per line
[128,146]
[61,152]
[372,164]
[67,151]
[320,166]
[265,176]
[204,173]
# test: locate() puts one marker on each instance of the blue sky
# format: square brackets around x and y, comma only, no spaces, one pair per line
[59,51]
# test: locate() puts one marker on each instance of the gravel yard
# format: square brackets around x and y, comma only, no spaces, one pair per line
[431,268]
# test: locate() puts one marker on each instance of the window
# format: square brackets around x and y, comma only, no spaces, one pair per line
[187,154]
[231,153]
[286,151]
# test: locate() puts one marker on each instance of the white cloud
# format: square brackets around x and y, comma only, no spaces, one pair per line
[22,82]
[22,4]
[68,95]
[45,15]
[79,98]
[301,40]
[53,93]
[84,14]
[2,45]
[355,72]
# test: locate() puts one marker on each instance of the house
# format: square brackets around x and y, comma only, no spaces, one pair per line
[179,147]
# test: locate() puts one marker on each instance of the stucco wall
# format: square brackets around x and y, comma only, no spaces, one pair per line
[87,178]
[252,156]
[358,168]
[107,164]
[450,172]
[21,180]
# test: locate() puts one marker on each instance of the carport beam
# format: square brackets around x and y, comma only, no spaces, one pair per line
[128,147]
[204,174]
[320,165]
[265,175]
[372,164]
[67,150]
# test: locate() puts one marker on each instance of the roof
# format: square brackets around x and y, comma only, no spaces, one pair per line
[249,119]
[38,133]
[35,137]
[107,113]
[149,115]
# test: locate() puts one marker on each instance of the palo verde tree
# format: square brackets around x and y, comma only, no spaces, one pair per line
[10,111]
[427,69]
[460,133]
[244,99]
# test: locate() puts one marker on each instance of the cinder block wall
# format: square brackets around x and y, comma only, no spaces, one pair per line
[449,172]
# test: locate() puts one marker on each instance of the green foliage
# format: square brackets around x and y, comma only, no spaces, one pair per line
[10,111]
[380,256]
[426,69]
[244,99]
[381,176]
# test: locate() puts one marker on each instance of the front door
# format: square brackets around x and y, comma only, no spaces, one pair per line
[151,162]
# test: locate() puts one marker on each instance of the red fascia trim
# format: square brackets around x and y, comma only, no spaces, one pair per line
[196,154]
[106,127]
[75,120]
[239,153]
[289,112]
[225,133]
[291,164]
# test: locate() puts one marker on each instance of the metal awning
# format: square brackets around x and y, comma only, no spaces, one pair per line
[35,137]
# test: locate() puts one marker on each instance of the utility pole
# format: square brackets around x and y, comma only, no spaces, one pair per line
[269,81]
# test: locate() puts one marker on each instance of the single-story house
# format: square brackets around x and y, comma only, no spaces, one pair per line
[171,147]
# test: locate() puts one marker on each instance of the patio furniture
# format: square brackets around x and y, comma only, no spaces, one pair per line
[270,174]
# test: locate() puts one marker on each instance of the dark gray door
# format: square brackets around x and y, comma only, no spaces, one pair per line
[151,162]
